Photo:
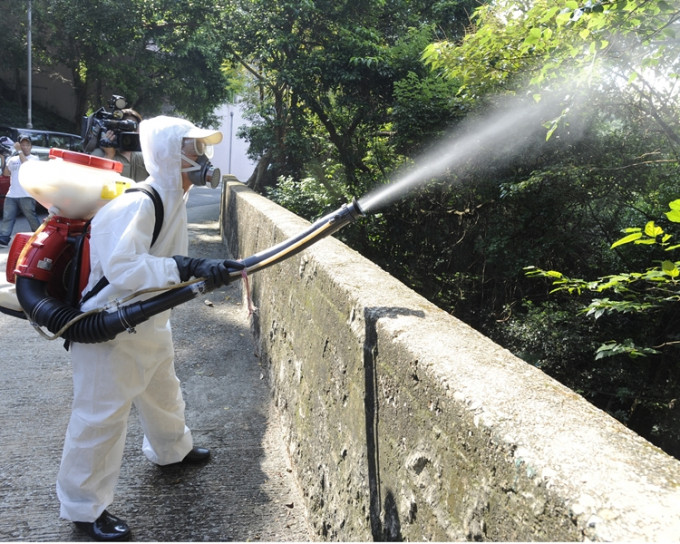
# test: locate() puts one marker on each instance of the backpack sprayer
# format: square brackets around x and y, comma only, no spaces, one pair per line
[43,265]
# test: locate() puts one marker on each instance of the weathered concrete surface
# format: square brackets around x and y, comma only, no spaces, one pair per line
[246,492]
[404,423]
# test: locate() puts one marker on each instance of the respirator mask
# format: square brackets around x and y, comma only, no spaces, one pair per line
[201,172]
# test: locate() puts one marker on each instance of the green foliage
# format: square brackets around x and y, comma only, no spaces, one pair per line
[551,336]
[626,347]
[151,52]
[424,109]
[324,75]
[546,38]
[307,197]
[640,293]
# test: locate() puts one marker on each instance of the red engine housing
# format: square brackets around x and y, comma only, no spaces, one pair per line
[58,253]
[49,255]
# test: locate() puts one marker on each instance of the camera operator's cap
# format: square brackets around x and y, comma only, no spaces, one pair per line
[204,140]
[6,142]
[23,137]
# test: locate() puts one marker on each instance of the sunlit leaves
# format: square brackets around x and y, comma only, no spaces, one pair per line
[674,214]
[635,235]
[651,234]
[546,38]
[631,292]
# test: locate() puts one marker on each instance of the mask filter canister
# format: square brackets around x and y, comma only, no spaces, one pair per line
[202,172]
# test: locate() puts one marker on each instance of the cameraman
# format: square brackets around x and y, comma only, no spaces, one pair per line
[132,161]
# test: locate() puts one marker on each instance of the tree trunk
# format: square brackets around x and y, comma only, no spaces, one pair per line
[259,179]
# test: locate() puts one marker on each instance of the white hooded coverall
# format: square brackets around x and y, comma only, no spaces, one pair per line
[109,377]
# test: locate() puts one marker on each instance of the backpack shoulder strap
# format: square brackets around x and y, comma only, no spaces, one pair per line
[148,190]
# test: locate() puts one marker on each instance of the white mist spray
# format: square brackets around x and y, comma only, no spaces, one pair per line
[503,133]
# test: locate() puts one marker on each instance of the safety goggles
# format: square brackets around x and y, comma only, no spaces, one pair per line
[199,147]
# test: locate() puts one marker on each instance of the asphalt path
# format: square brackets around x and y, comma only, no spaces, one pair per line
[247,492]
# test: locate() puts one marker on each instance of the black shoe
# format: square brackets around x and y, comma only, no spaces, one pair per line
[105,527]
[196,455]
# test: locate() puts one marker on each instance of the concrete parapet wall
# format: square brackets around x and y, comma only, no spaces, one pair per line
[405,423]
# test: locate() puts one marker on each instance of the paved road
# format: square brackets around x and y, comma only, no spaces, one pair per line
[247,492]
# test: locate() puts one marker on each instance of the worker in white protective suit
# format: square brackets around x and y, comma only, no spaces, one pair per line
[109,377]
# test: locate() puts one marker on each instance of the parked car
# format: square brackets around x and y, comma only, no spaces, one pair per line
[43,141]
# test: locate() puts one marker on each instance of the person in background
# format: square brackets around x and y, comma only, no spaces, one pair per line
[132,161]
[17,199]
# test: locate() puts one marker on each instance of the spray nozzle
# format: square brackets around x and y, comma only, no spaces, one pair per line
[347,213]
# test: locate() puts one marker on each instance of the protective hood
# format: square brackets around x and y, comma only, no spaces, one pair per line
[161,142]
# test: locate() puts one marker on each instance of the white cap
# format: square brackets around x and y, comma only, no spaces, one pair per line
[207,136]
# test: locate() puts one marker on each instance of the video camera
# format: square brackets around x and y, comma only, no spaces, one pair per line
[95,126]
[6,151]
